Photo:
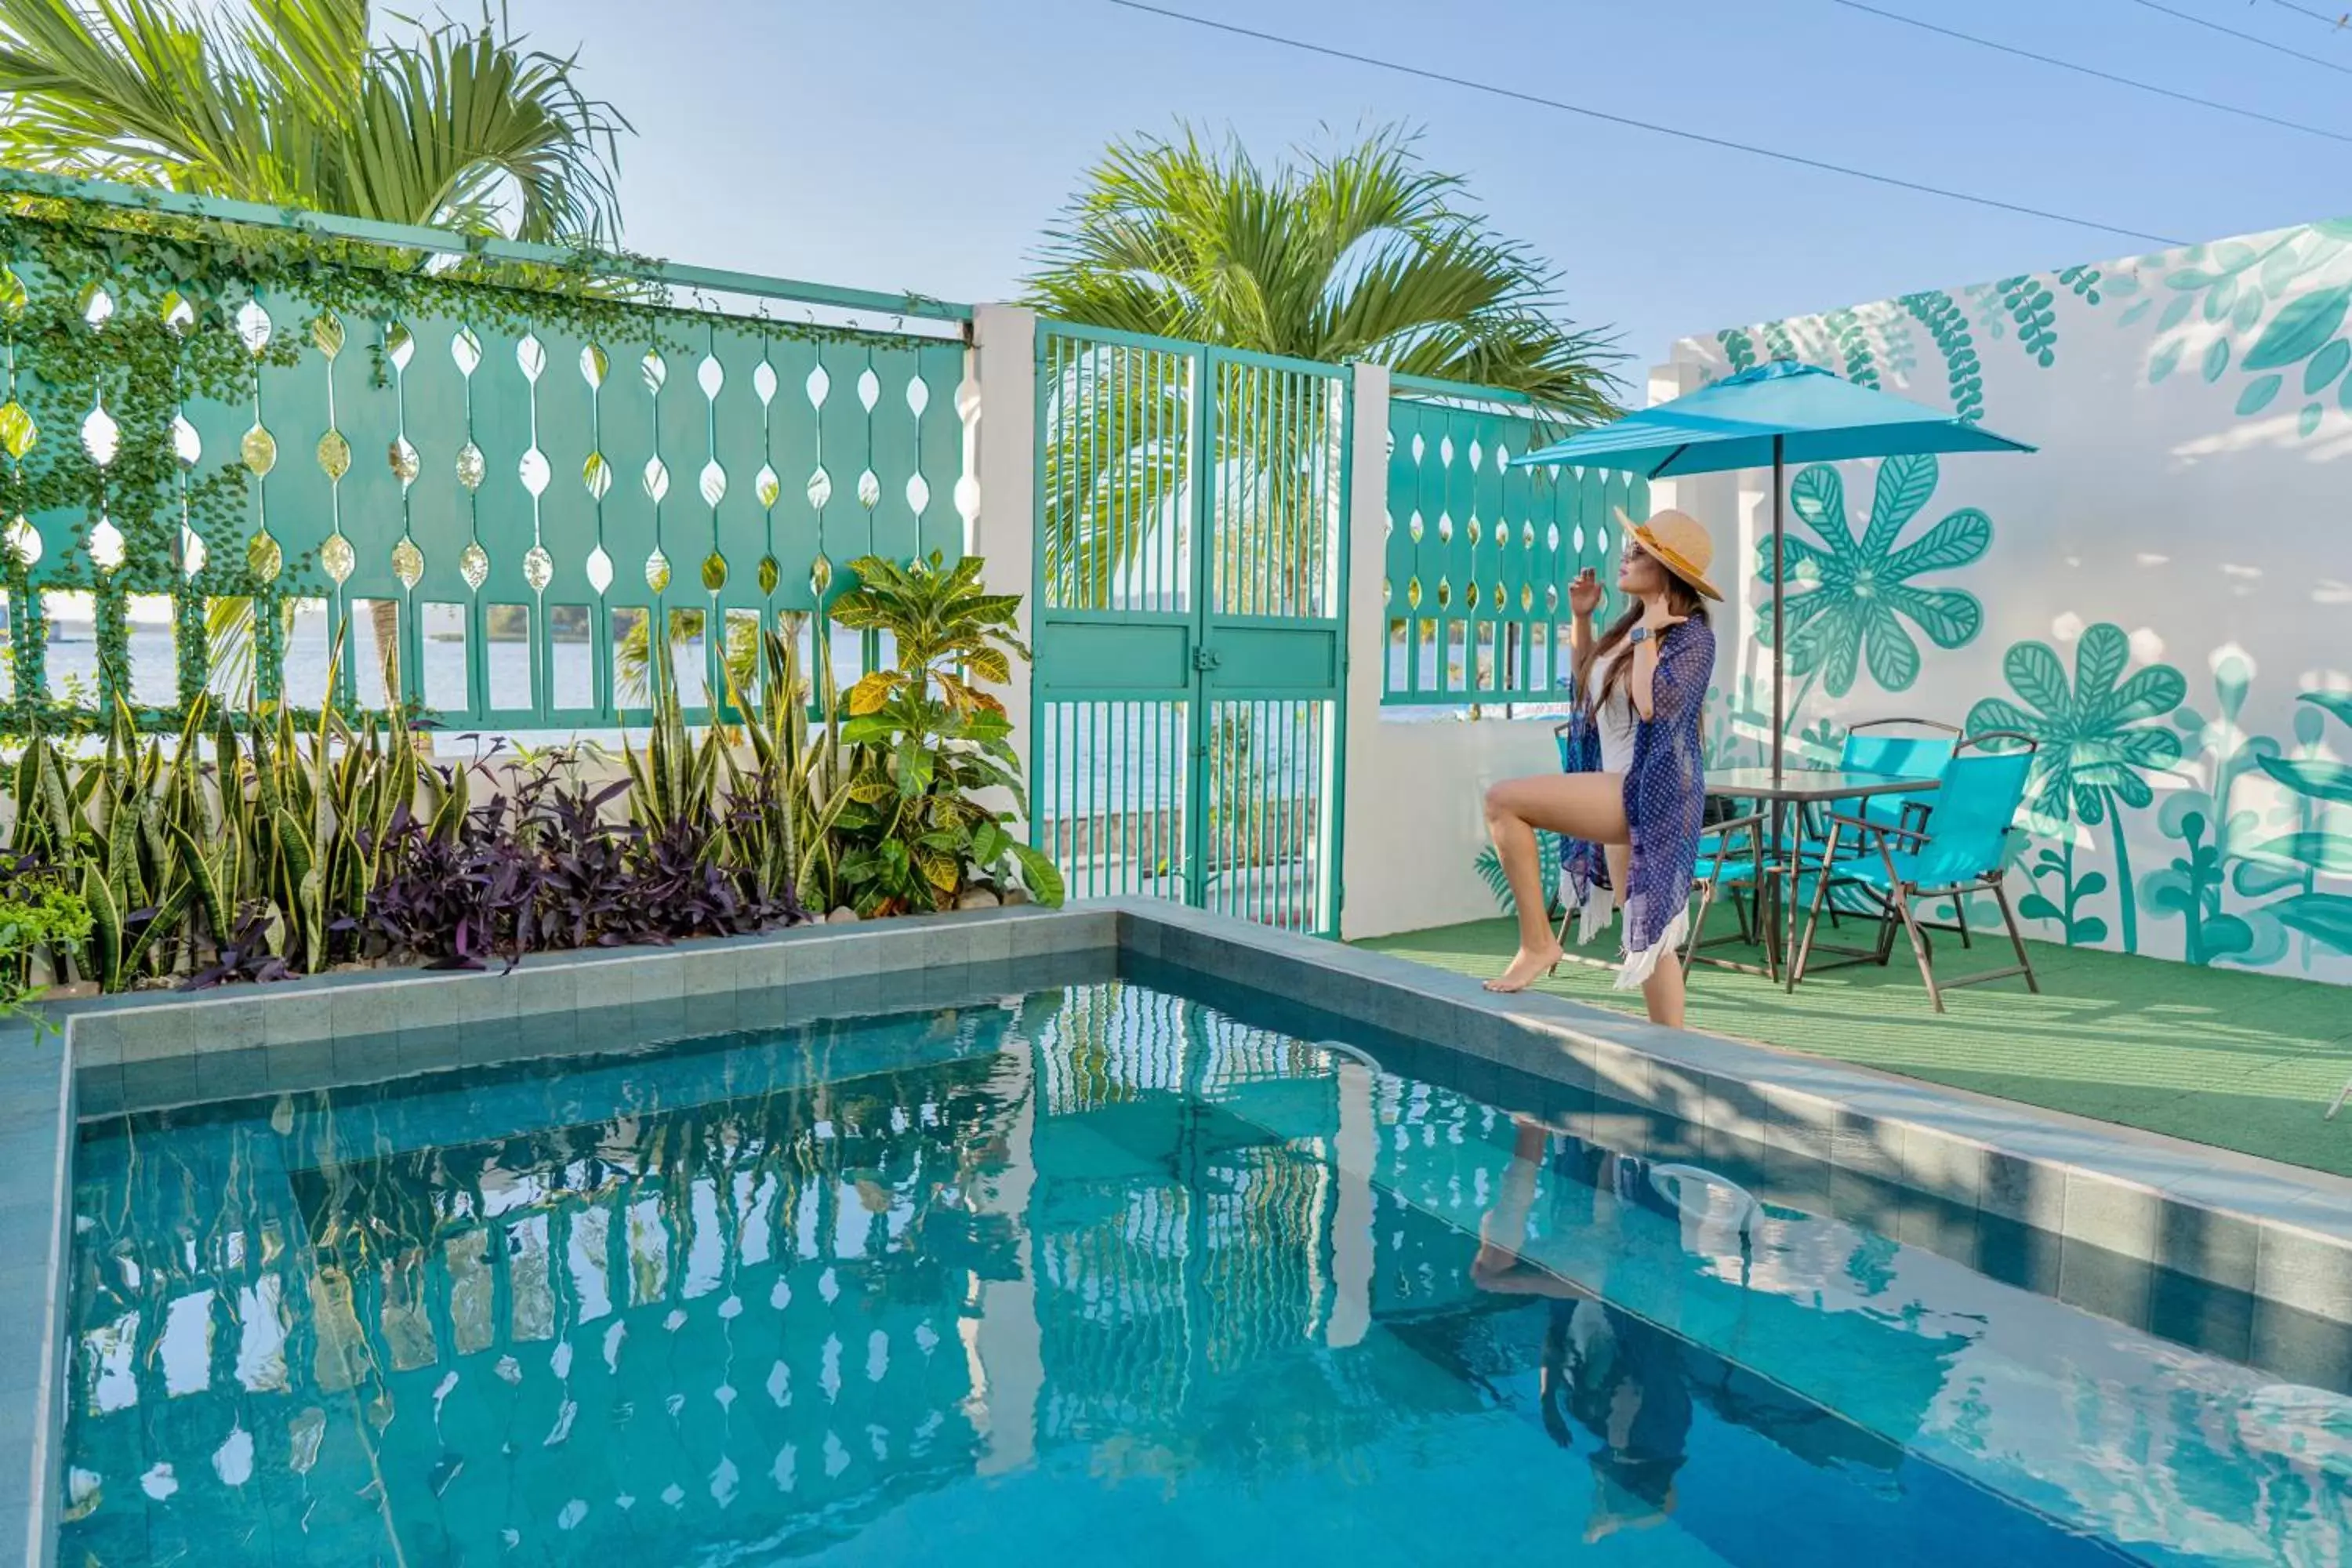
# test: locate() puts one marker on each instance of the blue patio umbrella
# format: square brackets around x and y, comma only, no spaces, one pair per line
[1773,414]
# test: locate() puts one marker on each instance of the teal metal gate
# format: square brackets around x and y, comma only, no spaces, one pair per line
[1190,617]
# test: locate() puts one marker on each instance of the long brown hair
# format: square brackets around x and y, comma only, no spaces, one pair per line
[1681,598]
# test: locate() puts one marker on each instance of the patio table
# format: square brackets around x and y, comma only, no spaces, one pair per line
[1784,802]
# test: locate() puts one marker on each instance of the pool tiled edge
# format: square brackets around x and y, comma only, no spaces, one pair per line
[37,1118]
[160,1048]
[2276,1233]
[2280,1233]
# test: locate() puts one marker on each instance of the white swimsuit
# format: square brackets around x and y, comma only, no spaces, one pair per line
[1615,716]
[1615,720]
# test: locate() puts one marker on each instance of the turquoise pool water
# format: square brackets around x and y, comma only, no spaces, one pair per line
[1097,1273]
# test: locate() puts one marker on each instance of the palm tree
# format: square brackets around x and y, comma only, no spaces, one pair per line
[1360,254]
[289,102]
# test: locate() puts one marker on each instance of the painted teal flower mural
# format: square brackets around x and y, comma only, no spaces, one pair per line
[2099,741]
[1850,595]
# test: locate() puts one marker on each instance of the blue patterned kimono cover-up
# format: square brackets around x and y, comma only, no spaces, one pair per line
[1665,803]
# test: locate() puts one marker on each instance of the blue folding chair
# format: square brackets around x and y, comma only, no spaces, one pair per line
[1907,748]
[1731,854]
[1957,851]
[1879,746]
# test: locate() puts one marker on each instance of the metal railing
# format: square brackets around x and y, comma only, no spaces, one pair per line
[279,455]
[1480,554]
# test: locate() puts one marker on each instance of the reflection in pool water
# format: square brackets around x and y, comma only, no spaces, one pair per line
[1100,1270]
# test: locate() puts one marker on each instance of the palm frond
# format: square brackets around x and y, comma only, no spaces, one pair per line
[1362,252]
[292,103]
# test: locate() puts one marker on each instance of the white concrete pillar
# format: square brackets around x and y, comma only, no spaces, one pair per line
[1004,1345]
[1367,635]
[1353,1244]
[998,405]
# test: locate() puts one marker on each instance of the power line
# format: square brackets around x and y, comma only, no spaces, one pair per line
[2091,71]
[1679,134]
[2244,38]
[2340,20]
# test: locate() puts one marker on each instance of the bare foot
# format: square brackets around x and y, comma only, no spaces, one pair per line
[1531,965]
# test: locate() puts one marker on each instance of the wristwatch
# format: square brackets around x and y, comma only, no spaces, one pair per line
[1638,634]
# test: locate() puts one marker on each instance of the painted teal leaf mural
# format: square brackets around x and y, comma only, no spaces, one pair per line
[1850,595]
[1877,344]
[1948,328]
[2191,888]
[2032,307]
[1490,871]
[2098,740]
[1859,365]
[2300,329]
[2321,785]
[2079,930]
[2296,278]
[2318,779]
[2325,918]
[2322,851]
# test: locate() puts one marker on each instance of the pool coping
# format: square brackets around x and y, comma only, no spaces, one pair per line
[2277,1233]
[100,1056]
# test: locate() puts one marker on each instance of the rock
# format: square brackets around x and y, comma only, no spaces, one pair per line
[1015,896]
[841,917]
[977,899]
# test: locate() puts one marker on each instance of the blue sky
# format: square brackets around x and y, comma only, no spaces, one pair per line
[923,144]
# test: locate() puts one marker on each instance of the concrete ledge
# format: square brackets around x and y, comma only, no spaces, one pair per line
[2280,1233]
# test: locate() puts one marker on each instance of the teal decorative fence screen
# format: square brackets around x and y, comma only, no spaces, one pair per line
[1189,612]
[1480,554]
[241,449]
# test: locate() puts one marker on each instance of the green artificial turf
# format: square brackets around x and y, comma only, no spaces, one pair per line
[2217,1056]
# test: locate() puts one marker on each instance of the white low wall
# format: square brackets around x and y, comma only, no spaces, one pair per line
[1414,786]
[1415,825]
[1416,781]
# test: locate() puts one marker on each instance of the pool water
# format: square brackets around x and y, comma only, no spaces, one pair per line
[1099,1271]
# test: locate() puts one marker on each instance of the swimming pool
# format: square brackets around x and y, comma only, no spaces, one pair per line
[1103,1269]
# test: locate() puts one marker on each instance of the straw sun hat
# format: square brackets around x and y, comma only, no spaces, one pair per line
[1680,543]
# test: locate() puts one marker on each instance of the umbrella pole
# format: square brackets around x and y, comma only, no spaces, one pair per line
[1778,584]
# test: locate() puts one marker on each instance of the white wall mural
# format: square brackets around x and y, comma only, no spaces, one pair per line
[2163,594]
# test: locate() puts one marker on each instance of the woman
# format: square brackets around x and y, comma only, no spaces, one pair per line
[1632,804]
[1623,1380]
